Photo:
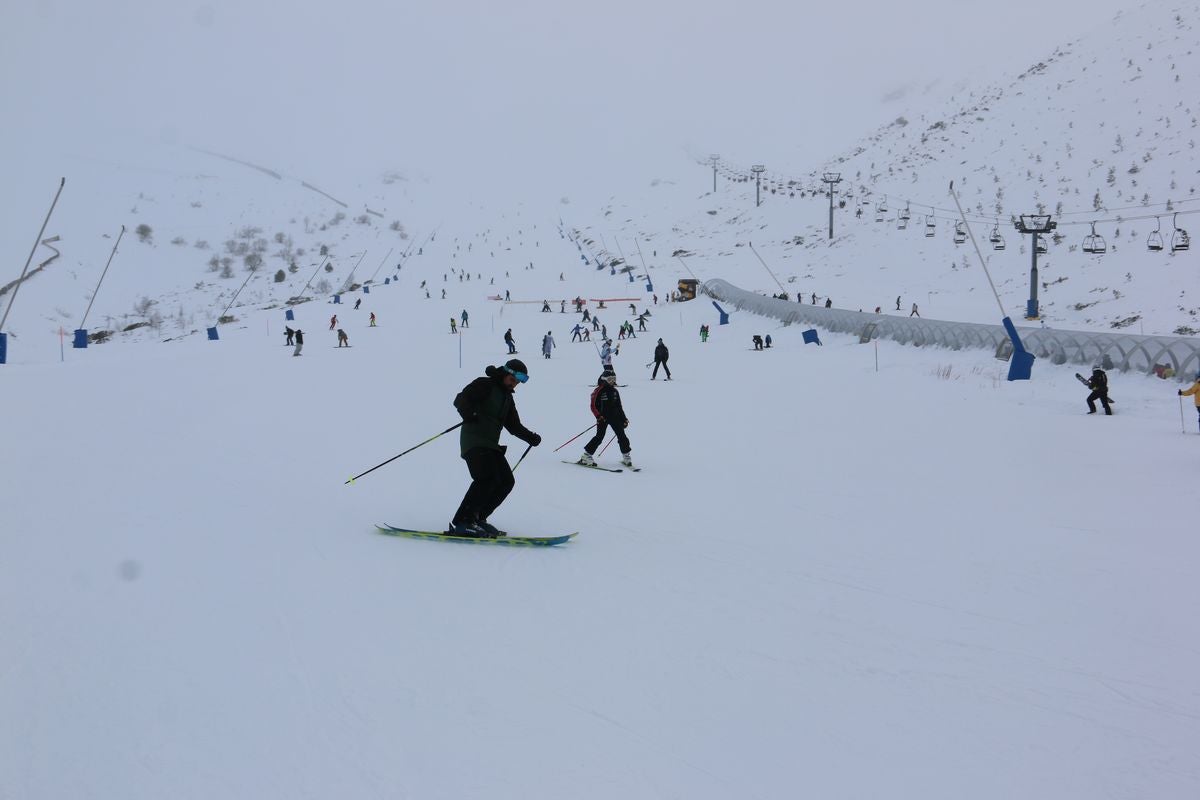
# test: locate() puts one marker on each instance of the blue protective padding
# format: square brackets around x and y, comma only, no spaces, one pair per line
[337,298]
[1020,368]
[810,337]
[212,333]
[3,348]
[724,320]
[366,289]
[289,315]
[80,340]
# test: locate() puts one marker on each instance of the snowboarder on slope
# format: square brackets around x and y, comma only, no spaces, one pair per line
[661,354]
[372,325]
[606,407]
[486,405]
[343,339]
[333,322]
[758,342]
[508,340]
[1099,386]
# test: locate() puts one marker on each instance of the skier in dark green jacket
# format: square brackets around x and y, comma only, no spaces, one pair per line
[486,405]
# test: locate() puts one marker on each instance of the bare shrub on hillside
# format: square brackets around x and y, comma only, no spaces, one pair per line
[144,233]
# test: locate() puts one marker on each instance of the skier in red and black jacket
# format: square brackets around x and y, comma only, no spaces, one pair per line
[606,407]
[486,405]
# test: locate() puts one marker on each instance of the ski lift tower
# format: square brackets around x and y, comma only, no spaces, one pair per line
[757,169]
[1035,225]
[833,179]
[714,159]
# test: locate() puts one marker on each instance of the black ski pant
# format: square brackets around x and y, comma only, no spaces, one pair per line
[663,364]
[1102,397]
[491,481]
[601,431]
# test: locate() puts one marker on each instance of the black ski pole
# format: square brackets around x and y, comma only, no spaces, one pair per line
[573,438]
[522,458]
[409,450]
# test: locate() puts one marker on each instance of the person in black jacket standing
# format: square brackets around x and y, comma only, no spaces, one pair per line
[606,407]
[486,405]
[661,355]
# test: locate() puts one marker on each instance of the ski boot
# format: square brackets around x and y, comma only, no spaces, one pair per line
[626,459]
[491,530]
[587,460]
[467,530]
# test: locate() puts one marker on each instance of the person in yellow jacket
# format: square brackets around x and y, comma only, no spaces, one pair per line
[1195,393]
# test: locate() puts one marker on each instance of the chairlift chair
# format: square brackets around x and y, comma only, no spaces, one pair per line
[1154,242]
[960,234]
[1041,244]
[901,221]
[997,241]
[995,235]
[880,210]
[1094,243]
[930,227]
[1179,239]
[905,215]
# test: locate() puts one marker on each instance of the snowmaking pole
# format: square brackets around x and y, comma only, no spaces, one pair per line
[381,263]
[33,250]
[1020,368]
[235,295]
[768,269]
[83,321]
[304,291]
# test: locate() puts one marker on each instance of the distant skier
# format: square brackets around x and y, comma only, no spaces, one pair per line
[914,312]
[607,409]
[299,342]
[507,295]
[343,339]
[453,326]
[897,302]
[655,299]
[545,306]
[577,333]
[606,355]
[333,322]
[829,302]
[443,294]
[562,306]
[291,336]
[814,298]
[1099,386]
[642,322]
[661,354]
[704,333]
[587,315]
[508,340]
[767,341]
[486,405]
[372,319]
[357,303]
[547,344]
[758,342]
[1195,393]
[464,319]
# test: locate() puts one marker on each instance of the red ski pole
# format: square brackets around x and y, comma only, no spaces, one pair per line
[576,436]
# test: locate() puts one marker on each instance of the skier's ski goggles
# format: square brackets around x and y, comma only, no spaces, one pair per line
[520,376]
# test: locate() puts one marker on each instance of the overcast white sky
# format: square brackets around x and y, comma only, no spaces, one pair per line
[576,91]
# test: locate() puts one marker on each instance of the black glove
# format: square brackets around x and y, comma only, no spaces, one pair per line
[1180,393]
[535,440]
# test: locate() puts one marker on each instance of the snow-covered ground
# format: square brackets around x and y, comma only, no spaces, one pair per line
[845,571]
[827,581]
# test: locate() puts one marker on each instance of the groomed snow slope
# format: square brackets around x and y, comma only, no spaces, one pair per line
[828,581]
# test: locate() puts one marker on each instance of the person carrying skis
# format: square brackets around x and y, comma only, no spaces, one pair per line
[508,340]
[1099,386]
[607,409]
[1195,393]
[547,344]
[486,405]
[577,333]
[299,342]
[661,354]
[343,339]
[291,336]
